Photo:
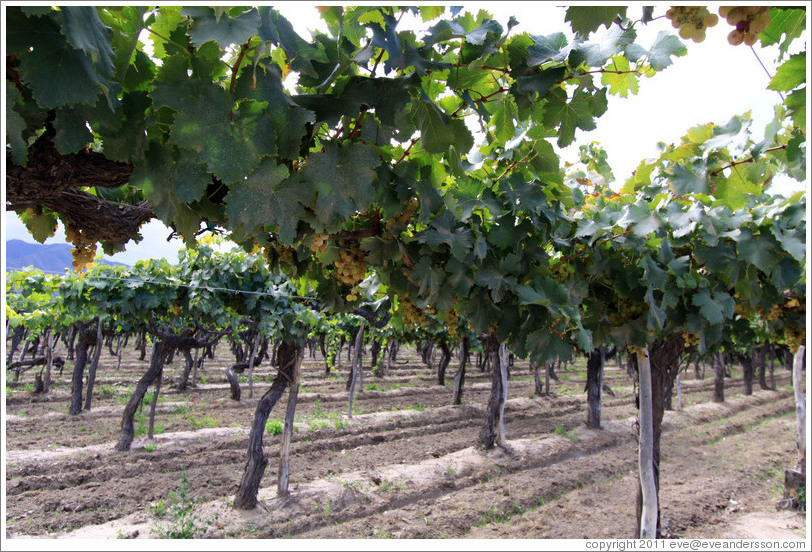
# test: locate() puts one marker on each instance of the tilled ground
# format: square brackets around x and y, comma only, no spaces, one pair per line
[403,467]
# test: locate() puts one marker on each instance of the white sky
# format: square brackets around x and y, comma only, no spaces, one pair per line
[710,84]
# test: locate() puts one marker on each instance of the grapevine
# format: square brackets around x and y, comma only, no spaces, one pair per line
[748,20]
[794,337]
[561,271]
[691,21]
[401,219]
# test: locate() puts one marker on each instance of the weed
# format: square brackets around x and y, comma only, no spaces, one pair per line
[274,426]
[106,391]
[180,409]
[150,448]
[372,387]
[181,521]
[559,430]
[449,470]
[29,387]
[391,485]
[200,423]
[326,508]
[318,424]
[340,423]
[419,407]
[382,534]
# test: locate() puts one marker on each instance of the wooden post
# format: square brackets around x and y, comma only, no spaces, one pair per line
[154,405]
[800,406]
[290,413]
[254,348]
[356,366]
[648,519]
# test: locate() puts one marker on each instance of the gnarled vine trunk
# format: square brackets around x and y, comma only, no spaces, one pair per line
[85,338]
[160,352]
[594,384]
[459,378]
[493,430]
[287,356]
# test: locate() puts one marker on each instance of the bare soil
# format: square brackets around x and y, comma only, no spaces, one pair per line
[404,466]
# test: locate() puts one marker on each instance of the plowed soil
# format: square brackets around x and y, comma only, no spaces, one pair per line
[405,465]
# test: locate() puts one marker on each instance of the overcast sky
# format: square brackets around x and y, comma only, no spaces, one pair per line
[710,84]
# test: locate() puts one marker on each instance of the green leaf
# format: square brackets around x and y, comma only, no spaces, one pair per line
[623,81]
[41,226]
[164,172]
[758,250]
[789,22]
[796,107]
[342,177]
[224,30]
[659,56]
[541,82]
[257,201]
[577,113]
[15,125]
[85,31]
[59,74]
[790,74]
[439,132]
[587,19]
[71,132]
[225,146]
[708,307]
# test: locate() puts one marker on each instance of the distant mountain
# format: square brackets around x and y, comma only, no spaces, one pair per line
[48,258]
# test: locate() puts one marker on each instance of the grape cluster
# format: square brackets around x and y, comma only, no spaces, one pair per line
[748,20]
[625,310]
[561,271]
[319,244]
[773,314]
[794,337]
[453,323]
[411,207]
[413,316]
[691,21]
[691,340]
[84,250]
[351,266]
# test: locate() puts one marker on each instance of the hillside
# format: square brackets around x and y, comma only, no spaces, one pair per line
[49,258]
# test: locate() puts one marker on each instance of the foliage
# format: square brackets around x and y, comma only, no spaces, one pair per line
[179,519]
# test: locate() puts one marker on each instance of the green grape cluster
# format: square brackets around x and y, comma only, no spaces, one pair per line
[413,316]
[748,20]
[407,213]
[625,310]
[319,244]
[351,266]
[794,337]
[453,323]
[84,250]
[561,271]
[691,340]
[691,21]
[773,314]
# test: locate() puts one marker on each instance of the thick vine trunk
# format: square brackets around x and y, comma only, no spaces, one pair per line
[761,359]
[160,352]
[246,498]
[442,365]
[234,382]
[594,385]
[83,342]
[747,368]
[183,384]
[539,388]
[94,365]
[459,377]
[718,378]
[493,430]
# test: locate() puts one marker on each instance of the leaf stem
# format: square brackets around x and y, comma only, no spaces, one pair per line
[743,161]
[765,70]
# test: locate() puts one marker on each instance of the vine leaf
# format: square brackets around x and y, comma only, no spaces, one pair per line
[15,125]
[262,199]
[220,27]
[790,74]
[622,82]
[587,19]
[577,113]
[59,75]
